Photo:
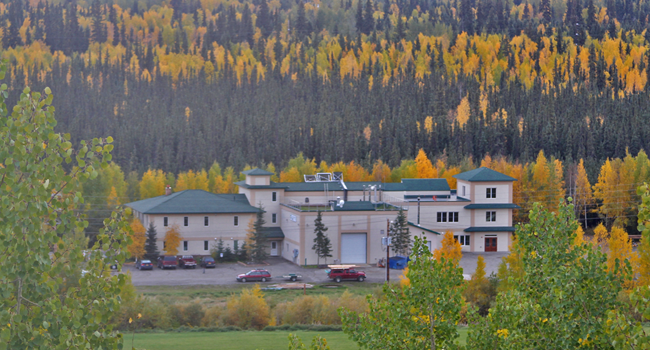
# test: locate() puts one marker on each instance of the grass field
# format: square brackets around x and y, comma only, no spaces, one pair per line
[241,340]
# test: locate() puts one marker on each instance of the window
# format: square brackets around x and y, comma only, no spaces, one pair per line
[236,220]
[462,239]
[491,216]
[186,221]
[185,245]
[274,218]
[463,191]
[491,192]
[165,221]
[274,196]
[164,245]
[453,216]
[206,221]
[205,245]
[442,216]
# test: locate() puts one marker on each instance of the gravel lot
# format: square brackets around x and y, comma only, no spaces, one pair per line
[227,273]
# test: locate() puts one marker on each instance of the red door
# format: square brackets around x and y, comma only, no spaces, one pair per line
[490,244]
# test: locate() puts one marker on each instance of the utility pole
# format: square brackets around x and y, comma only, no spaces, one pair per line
[418,210]
[387,250]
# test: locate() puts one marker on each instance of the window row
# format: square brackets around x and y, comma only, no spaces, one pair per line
[443,216]
[462,239]
[206,220]
[206,245]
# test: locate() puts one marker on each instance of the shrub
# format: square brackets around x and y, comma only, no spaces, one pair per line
[248,309]
[189,315]
[213,317]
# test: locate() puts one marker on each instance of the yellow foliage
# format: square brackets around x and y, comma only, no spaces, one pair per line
[152,184]
[580,237]
[248,309]
[601,235]
[425,169]
[173,240]
[620,251]
[404,279]
[138,237]
[380,172]
[450,250]
[463,112]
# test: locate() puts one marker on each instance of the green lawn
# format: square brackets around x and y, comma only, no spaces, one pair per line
[233,340]
[250,340]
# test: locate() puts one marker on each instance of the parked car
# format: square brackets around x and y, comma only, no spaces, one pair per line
[208,262]
[187,262]
[144,265]
[254,275]
[167,262]
[339,273]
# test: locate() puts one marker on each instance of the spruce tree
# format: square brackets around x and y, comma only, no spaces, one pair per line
[400,235]
[151,246]
[257,238]
[322,245]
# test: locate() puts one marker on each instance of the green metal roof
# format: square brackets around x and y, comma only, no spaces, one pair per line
[423,228]
[312,186]
[491,229]
[273,185]
[194,202]
[483,174]
[413,185]
[257,172]
[493,206]
[273,232]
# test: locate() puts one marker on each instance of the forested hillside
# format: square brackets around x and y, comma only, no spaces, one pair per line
[180,84]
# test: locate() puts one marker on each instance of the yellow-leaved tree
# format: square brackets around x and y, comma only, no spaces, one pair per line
[380,171]
[511,266]
[152,184]
[620,252]
[450,249]
[478,288]
[138,237]
[172,240]
[425,169]
[601,236]
[611,192]
[583,197]
[248,309]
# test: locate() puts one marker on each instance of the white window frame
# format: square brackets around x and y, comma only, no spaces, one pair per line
[186,246]
[274,218]
[464,240]
[491,216]
[441,216]
[452,216]
[274,196]
[491,192]
[186,221]
[165,221]
[235,220]
[206,245]
[206,221]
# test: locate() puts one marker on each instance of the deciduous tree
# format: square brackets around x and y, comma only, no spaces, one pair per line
[450,249]
[173,240]
[138,238]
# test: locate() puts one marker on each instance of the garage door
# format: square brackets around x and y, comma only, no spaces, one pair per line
[353,248]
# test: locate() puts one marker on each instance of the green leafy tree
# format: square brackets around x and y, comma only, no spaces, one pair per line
[563,297]
[420,315]
[318,343]
[151,246]
[400,235]
[322,244]
[45,300]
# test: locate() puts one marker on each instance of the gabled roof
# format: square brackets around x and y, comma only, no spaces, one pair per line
[492,206]
[194,202]
[414,185]
[423,228]
[483,174]
[257,172]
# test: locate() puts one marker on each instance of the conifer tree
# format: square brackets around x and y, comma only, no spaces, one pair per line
[400,235]
[322,245]
[151,246]
[256,238]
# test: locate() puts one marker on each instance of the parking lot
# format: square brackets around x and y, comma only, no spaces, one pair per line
[227,273]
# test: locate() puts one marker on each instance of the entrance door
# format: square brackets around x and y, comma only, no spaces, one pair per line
[490,244]
[274,248]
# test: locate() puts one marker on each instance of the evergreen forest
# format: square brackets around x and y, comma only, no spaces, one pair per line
[181,84]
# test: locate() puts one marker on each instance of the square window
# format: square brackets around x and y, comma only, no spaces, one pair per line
[453,216]
[185,245]
[274,218]
[205,245]
[491,192]
[491,216]
[274,196]
[206,221]
[186,221]
[165,221]
[236,220]
[442,216]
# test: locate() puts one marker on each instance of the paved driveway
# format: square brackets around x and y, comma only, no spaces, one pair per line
[227,273]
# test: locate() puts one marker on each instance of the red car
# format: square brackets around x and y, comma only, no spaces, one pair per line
[254,275]
[339,273]
[167,262]
[187,262]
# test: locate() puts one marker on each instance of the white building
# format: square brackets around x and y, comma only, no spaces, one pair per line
[479,214]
